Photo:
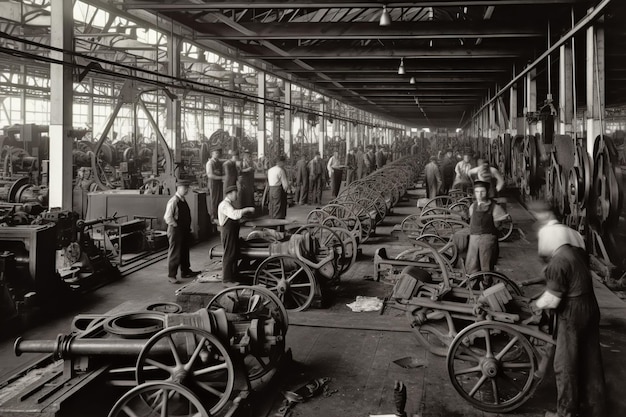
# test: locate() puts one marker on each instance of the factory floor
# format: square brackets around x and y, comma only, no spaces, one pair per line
[357,350]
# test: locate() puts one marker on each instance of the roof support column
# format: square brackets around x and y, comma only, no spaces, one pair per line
[595,82]
[531,99]
[320,144]
[173,107]
[566,89]
[260,115]
[513,110]
[287,135]
[61,100]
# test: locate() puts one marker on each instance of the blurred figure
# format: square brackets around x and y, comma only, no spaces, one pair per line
[433,178]
[415,149]
[316,178]
[351,166]
[462,180]
[231,170]
[381,157]
[279,184]
[484,172]
[302,181]
[360,163]
[246,180]
[369,161]
[569,291]
[447,171]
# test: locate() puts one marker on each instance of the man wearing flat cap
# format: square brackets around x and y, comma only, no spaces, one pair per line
[178,219]
[482,250]
[228,220]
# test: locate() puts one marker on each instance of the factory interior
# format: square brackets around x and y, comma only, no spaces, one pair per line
[328,158]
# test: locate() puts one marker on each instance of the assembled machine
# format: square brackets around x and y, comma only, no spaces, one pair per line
[184,364]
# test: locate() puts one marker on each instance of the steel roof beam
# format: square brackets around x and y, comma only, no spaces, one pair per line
[351,53]
[371,30]
[320,4]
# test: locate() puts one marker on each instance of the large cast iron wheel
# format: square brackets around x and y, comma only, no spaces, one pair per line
[192,357]
[482,280]
[246,303]
[491,365]
[289,279]
[165,399]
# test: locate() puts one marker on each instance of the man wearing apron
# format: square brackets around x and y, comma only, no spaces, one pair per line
[277,180]
[228,220]
[178,219]
[215,175]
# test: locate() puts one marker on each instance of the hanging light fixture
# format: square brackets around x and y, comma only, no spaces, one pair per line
[412,80]
[385,19]
[401,67]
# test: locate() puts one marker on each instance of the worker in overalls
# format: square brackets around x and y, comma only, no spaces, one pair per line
[228,220]
[578,367]
[178,219]
[279,184]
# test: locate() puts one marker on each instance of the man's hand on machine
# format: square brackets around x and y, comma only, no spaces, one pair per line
[247,210]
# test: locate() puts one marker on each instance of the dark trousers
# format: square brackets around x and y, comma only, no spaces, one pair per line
[178,251]
[577,361]
[316,185]
[482,253]
[216,190]
[230,242]
[335,181]
[278,202]
[302,193]
[350,176]
[360,173]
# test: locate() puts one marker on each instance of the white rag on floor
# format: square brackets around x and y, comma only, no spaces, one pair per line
[365,304]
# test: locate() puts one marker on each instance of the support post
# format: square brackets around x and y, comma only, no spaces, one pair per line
[513,111]
[173,107]
[566,86]
[531,99]
[61,100]
[287,136]
[260,114]
[595,82]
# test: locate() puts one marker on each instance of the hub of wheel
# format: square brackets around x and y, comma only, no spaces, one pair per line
[490,367]
[282,287]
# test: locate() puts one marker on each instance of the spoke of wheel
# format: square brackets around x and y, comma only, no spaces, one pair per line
[494,386]
[507,348]
[477,386]
[295,294]
[304,285]
[129,411]
[158,365]
[467,370]
[164,406]
[515,365]
[210,369]
[295,274]
[489,353]
[270,275]
[471,353]
[195,354]
[170,341]
[209,388]
[282,269]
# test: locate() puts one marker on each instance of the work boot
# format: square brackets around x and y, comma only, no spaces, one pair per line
[190,274]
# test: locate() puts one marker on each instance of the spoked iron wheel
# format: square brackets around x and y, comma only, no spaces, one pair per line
[439,201]
[491,365]
[246,303]
[447,249]
[166,399]
[505,228]
[482,280]
[192,357]
[289,279]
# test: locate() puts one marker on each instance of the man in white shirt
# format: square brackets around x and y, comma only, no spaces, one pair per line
[277,180]
[484,172]
[178,219]
[335,172]
[228,220]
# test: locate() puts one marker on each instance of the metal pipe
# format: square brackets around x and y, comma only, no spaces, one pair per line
[67,346]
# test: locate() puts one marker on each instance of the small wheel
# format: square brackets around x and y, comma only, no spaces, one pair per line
[491,365]
[482,280]
[159,399]
[192,357]
[439,201]
[334,222]
[439,228]
[446,248]
[289,279]
[329,242]
[316,216]
[244,303]
[412,225]
[350,248]
[505,228]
